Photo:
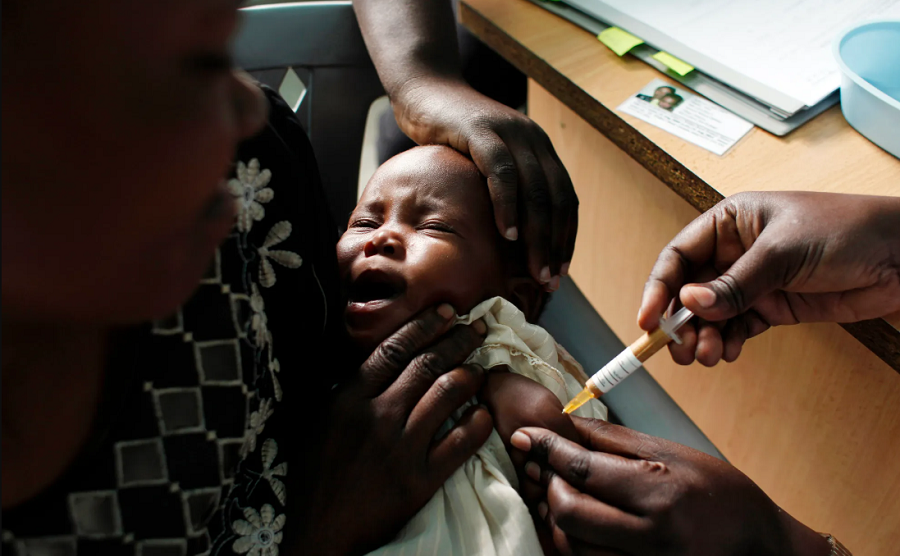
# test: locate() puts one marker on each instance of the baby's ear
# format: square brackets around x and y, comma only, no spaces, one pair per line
[526,294]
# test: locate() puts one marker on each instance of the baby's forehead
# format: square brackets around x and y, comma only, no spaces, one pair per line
[436,176]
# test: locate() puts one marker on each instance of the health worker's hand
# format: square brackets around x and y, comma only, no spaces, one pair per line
[381,462]
[628,493]
[758,260]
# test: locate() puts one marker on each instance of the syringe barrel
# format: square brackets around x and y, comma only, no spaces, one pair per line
[615,371]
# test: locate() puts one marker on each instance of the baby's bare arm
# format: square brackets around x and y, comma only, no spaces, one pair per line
[516,401]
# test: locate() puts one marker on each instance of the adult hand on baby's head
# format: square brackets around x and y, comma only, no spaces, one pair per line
[532,194]
[758,260]
[380,463]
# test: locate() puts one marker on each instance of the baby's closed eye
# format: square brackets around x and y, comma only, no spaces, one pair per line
[437,226]
[363,223]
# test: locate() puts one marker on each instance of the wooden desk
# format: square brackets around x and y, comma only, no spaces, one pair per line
[810,414]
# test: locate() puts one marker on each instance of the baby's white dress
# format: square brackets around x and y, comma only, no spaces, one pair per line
[478,509]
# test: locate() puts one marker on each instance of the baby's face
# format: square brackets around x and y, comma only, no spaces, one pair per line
[422,234]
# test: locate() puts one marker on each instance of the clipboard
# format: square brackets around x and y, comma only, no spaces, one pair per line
[769,118]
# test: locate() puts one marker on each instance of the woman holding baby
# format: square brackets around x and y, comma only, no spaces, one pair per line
[213,428]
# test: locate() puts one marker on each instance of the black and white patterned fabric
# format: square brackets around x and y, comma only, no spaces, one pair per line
[200,433]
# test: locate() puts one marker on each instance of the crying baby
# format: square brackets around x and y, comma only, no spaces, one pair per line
[424,233]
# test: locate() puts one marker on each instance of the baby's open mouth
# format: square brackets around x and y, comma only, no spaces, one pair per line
[376,285]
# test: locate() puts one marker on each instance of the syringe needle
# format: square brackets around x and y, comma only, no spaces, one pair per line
[582,398]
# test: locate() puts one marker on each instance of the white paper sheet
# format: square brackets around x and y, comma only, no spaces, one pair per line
[783,46]
[693,118]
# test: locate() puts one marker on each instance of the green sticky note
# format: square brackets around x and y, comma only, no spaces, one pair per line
[680,67]
[618,41]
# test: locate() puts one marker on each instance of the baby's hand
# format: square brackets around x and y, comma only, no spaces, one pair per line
[516,401]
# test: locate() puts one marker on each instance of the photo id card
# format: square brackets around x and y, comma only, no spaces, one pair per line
[686,115]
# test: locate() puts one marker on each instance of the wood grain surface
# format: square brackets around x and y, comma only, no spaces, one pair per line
[826,154]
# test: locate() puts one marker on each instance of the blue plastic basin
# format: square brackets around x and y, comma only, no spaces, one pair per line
[869,57]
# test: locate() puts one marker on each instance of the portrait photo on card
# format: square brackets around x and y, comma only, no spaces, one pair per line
[668,97]
[687,115]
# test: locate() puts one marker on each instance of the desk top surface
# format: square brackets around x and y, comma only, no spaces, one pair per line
[825,154]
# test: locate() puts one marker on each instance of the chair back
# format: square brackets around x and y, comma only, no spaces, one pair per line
[320,42]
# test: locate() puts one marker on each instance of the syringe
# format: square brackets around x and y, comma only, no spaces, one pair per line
[630,359]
